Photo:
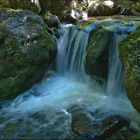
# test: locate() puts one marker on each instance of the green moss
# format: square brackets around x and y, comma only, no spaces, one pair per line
[85,23]
[130,57]
[98,52]
[14,70]
[16,67]
[39,52]
[13,53]
[135,137]
[136,6]
[12,86]
[94,46]
[7,70]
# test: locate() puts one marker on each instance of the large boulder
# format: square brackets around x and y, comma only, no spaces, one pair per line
[98,54]
[26,49]
[130,57]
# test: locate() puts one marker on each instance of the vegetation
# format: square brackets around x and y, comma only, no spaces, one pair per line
[19,4]
[135,137]
[130,56]
[17,67]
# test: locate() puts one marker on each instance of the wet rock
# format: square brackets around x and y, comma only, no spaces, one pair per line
[25,53]
[96,125]
[128,7]
[71,17]
[130,57]
[97,57]
[33,80]
[98,53]
[53,21]
[112,124]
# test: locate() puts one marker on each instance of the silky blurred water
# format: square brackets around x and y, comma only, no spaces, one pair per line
[44,110]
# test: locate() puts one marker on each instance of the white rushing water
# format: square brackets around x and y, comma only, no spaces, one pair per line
[69,87]
[71,53]
[115,83]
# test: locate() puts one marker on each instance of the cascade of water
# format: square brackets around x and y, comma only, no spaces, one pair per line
[71,52]
[115,83]
[44,109]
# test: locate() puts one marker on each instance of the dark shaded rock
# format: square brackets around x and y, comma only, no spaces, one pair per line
[98,53]
[112,124]
[53,21]
[124,133]
[33,80]
[70,17]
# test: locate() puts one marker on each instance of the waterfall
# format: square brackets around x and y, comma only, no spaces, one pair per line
[115,82]
[45,111]
[71,52]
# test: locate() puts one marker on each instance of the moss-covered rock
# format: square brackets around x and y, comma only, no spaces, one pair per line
[19,4]
[26,50]
[98,53]
[130,57]
[10,87]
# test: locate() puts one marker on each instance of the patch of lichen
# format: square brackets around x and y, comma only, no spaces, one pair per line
[130,57]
